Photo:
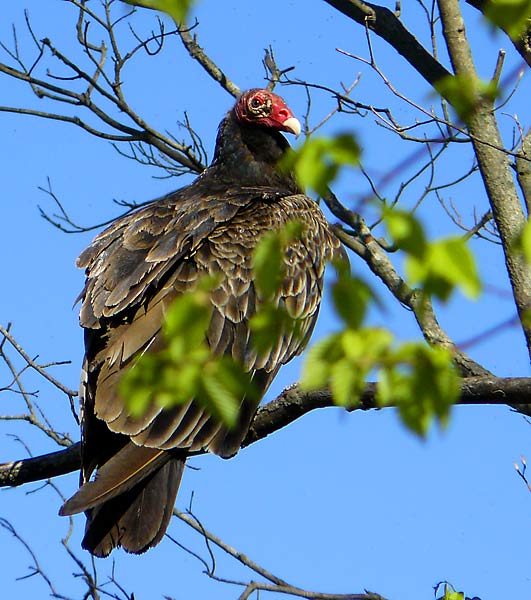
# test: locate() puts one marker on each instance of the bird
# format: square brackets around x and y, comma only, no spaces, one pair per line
[131,466]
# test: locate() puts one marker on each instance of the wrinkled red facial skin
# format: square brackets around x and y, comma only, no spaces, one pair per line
[262,107]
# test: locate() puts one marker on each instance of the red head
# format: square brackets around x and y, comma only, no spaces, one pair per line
[262,107]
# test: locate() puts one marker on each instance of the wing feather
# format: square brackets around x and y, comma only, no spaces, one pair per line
[225,249]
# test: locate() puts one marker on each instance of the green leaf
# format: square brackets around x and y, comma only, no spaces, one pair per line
[406,232]
[220,397]
[418,379]
[189,315]
[343,362]
[419,271]
[454,596]
[447,264]
[511,15]
[438,266]
[177,9]
[271,323]
[317,363]
[449,592]
[351,296]
[346,383]
[137,385]
[366,347]
[465,92]
[187,320]
[182,380]
[268,265]
[311,169]
[223,385]
[344,150]
[523,243]
[453,259]
[422,382]
[317,162]
[185,368]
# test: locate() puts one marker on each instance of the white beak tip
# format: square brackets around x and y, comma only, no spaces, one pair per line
[293,126]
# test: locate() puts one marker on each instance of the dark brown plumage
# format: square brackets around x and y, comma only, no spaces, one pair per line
[137,267]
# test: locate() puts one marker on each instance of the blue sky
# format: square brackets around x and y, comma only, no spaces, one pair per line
[335,502]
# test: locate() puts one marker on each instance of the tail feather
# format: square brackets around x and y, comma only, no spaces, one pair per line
[122,472]
[138,518]
[130,502]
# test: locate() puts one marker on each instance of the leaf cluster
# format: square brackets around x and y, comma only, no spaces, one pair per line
[272,320]
[439,267]
[510,15]
[186,369]
[318,161]
[419,379]
[466,91]
[450,593]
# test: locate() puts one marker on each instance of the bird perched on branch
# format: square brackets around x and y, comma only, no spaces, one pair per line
[137,267]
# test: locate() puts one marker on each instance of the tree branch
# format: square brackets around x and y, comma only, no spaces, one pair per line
[102,88]
[493,164]
[198,54]
[482,126]
[292,404]
[523,171]
[388,26]
[42,467]
[371,251]
[276,583]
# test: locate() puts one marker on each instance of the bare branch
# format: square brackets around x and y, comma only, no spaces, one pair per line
[371,251]
[34,415]
[35,568]
[522,472]
[198,53]
[276,583]
[273,73]
[102,87]
[39,368]
[292,404]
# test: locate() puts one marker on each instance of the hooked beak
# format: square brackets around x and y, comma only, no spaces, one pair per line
[292,125]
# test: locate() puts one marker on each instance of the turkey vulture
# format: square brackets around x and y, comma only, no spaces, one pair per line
[137,267]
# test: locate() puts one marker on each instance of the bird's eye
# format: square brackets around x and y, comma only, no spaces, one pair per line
[256,102]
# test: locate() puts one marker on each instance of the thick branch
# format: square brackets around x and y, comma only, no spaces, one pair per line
[378,261]
[388,26]
[288,407]
[492,157]
[523,171]
[492,161]
[41,467]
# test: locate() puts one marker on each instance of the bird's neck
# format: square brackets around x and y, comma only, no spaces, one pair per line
[250,155]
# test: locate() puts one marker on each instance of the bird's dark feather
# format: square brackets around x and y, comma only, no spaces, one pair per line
[135,269]
[127,467]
